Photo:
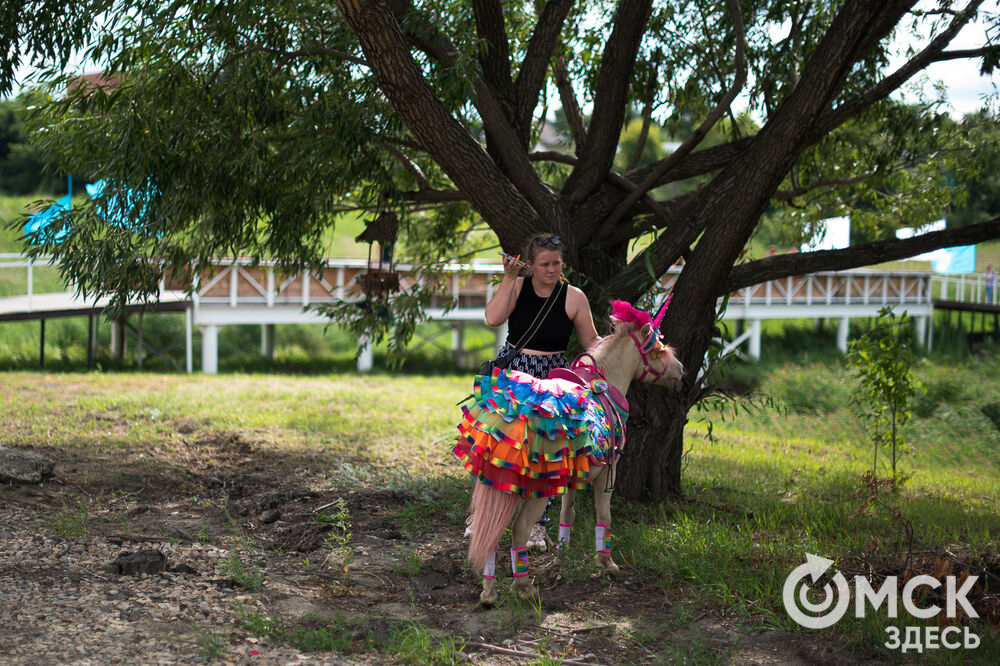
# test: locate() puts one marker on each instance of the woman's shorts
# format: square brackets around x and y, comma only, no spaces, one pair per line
[537,365]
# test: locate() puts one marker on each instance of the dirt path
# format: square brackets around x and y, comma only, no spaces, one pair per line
[266,563]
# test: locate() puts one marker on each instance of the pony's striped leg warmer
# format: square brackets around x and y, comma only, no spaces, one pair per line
[519,561]
[564,531]
[602,538]
[490,570]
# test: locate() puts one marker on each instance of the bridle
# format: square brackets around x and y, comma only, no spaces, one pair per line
[645,348]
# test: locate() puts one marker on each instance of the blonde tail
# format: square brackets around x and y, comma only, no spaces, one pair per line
[493,510]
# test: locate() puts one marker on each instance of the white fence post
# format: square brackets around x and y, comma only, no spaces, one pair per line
[210,349]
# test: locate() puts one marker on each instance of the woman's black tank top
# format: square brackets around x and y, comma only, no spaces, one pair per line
[553,334]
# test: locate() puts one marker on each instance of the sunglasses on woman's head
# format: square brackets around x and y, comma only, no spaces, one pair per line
[548,240]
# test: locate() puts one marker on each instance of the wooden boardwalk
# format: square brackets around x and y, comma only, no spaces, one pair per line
[228,292]
[68,304]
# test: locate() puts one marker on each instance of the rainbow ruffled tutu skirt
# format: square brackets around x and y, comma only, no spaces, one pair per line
[534,437]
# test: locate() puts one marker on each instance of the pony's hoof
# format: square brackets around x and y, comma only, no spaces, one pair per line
[489,595]
[524,590]
[605,562]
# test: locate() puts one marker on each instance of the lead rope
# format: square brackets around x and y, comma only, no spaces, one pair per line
[617,446]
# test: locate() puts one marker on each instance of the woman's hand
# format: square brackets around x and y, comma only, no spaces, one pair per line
[511,265]
[499,307]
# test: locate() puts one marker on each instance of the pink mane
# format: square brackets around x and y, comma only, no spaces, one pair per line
[623,311]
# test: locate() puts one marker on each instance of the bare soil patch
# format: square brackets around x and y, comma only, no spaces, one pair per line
[328,554]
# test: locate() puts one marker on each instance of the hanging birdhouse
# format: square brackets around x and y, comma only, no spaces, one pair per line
[380,280]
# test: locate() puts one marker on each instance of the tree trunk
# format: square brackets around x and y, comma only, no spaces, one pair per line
[650,468]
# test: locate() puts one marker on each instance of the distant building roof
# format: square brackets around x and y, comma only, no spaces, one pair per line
[95,81]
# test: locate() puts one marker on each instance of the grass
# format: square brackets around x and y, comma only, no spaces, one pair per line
[408,563]
[338,635]
[70,522]
[414,644]
[211,643]
[407,643]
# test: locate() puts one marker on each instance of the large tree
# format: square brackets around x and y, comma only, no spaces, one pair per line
[248,125]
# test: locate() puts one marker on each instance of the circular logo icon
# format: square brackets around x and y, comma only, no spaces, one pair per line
[805,612]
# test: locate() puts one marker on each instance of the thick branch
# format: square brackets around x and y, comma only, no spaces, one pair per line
[410,166]
[494,52]
[531,76]
[730,206]
[696,164]
[802,263]
[504,145]
[967,53]
[452,147]
[513,157]
[617,64]
[435,44]
[613,177]
[696,137]
[718,157]
[665,217]
[574,116]
[891,83]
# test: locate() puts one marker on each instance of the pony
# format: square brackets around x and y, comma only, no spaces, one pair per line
[526,439]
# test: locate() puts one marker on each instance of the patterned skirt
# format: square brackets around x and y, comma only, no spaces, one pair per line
[537,365]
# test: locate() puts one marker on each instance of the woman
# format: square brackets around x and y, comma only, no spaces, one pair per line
[519,300]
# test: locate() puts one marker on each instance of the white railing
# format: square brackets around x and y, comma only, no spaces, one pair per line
[12,260]
[852,287]
[236,282]
[969,288]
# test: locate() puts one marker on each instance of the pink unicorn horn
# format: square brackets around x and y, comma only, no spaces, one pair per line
[663,310]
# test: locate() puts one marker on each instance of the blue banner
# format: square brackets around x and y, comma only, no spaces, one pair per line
[955,260]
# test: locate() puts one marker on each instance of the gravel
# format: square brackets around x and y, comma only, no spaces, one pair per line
[61,604]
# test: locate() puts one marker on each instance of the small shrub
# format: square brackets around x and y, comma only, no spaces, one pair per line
[992,412]
[211,644]
[245,574]
[408,564]
[882,360]
[339,538]
[414,644]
